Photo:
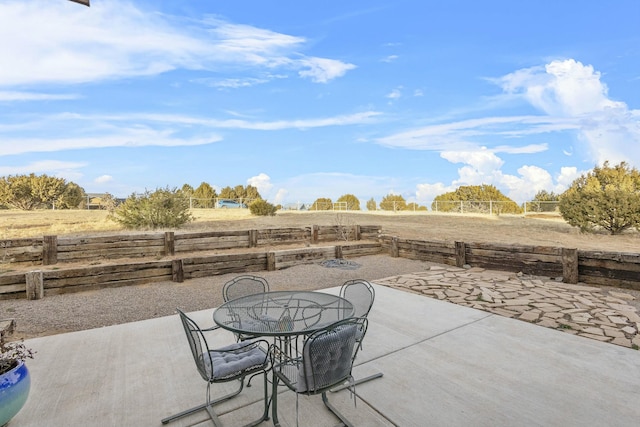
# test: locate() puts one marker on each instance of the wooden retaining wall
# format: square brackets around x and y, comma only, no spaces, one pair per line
[617,269]
[591,267]
[534,260]
[610,268]
[21,251]
[52,250]
[36,284]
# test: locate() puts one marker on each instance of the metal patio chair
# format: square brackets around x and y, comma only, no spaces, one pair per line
[245,284]
[326,361]
[229,363]
[361,294]
[241,286]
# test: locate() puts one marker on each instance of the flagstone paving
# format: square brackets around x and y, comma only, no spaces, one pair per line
[576,309]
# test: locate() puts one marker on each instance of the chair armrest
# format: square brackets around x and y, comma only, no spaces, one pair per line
[213,328]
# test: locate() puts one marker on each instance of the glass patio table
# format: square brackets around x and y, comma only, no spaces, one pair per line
[284,315]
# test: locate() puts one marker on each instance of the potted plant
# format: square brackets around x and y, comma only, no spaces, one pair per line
[15,381]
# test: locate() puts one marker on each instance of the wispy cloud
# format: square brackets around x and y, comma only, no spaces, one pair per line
[56,42]
[140,129]
[45,166]
[122,138]
[464,134]
[395,93]
[321,70]
[34,96]
[389,58]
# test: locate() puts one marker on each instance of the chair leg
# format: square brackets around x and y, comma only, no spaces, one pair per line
[263,417]
[205,405]
[265,414]
[274,400]
[335,412]
[356,382]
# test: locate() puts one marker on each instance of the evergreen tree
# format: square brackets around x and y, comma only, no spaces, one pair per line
[606,198]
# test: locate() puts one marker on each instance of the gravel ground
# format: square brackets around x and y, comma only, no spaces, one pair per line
[104,307]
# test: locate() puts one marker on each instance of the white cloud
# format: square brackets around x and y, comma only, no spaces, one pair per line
[33,96]
[484,167]
[137,130]
[482,159]
[462,135]
[280,196]
[390,58]
[124,138]
[340,120]
[570,89]
[428,192]
[58,42]
[395,93]
[561,88]
[573,99]
[566,177]
[49,167]
[321,70]
[231,83]
[262,182]
[103,179]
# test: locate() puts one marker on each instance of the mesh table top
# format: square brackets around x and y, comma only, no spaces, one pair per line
[282,313]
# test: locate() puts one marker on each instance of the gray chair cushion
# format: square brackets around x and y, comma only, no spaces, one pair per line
[326,359]
[228,363]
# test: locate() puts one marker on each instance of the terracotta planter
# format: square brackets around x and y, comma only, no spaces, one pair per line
[14,390]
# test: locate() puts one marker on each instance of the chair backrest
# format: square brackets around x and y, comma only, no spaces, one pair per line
[244,285]
[199,346]
[361,294]
[328,355]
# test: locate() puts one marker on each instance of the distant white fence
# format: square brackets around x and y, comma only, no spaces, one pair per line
[489,207]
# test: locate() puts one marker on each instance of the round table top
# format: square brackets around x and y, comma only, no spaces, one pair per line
[282,313]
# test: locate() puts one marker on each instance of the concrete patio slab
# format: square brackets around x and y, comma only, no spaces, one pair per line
[443,365]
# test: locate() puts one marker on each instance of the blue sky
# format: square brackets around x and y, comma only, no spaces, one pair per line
[319,99]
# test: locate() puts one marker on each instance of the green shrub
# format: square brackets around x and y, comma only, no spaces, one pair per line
[164,208]
[606,198]
[261,207]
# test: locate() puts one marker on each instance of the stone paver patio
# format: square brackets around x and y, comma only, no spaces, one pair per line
[576,309]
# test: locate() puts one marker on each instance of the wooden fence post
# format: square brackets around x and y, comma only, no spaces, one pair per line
[177,270]
[395,250]
[169,243]
[314,234]
[461,257]
[271,261]
[35,284]
[253,238]
[357,232]
[570,265]
[339,252]
[49,250]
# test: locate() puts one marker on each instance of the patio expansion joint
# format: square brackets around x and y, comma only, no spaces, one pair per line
[464,325]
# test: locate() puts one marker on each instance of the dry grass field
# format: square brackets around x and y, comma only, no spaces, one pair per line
[542,231]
